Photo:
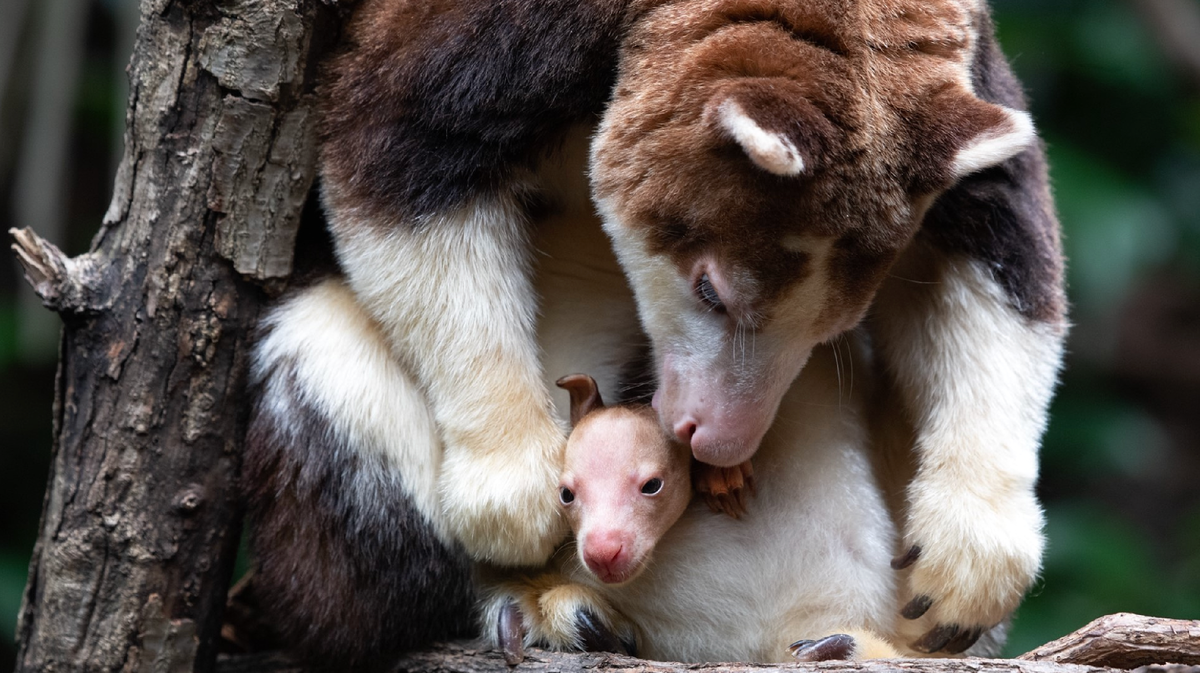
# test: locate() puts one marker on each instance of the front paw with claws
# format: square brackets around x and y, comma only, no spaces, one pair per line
[971,561]
[500,505]
[551,612]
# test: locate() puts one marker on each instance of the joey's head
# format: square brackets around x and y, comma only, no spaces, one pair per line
[760,168]
[625,482]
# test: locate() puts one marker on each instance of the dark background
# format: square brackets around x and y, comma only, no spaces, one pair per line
[1115,89]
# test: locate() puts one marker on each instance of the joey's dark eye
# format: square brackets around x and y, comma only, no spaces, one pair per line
[566,495]
[708,294]
[652,487]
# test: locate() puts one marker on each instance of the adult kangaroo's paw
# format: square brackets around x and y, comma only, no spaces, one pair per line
[969,562]
[460,312]
[500,502]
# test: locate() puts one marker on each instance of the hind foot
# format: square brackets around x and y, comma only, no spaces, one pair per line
[552,612]
[843,646]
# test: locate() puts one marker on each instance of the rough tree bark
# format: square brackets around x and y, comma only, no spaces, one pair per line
[1126,641]
[140,520]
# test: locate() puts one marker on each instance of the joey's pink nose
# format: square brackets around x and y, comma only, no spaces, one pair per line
[606,556]
[684,429]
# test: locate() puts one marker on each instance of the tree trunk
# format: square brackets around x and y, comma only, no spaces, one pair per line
[140,521]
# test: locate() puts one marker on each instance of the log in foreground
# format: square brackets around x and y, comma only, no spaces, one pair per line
[466,658]
[1126,641]
[1114,643]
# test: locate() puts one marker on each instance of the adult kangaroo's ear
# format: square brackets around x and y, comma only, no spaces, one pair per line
[585,395]
[958,134]
[773,123]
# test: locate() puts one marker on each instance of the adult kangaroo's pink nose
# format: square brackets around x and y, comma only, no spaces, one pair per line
[684,429]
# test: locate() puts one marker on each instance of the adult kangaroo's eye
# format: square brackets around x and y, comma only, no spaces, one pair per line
[566,495]
[708,294]
[652,487]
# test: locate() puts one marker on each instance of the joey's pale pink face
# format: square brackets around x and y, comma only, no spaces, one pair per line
[758,174]
[624,485]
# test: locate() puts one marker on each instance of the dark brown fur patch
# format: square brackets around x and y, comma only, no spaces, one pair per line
[1005,216]
[347,570]
[434,103]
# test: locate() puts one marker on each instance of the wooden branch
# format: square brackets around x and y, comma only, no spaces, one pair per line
[68,286]
[141,518]
[466,658]
[1126,641]
[1116,642]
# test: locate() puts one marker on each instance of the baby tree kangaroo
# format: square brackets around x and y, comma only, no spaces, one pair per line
[624,484]
[718,589]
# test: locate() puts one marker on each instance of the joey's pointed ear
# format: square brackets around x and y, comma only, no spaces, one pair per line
[773,123]
[966,135]
[585,395]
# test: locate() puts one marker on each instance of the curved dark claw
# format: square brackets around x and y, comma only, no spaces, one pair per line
[837,646]
[962,641]
[510,633]
[917,607]
[907,558]
[799,644]
[936,638]
[596,636]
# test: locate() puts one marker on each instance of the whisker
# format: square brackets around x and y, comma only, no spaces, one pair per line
[850,356]
[914,281]
[837,365]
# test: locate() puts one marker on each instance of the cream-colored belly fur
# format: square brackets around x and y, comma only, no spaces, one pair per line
[587,320]
[811,558]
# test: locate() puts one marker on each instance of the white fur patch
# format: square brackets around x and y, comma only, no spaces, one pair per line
[996,145]
[770,151]
[458,302]
[344,368]
[455,299]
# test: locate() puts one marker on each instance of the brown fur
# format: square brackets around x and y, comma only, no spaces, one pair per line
[871,94]
[1005,215]
[435,102]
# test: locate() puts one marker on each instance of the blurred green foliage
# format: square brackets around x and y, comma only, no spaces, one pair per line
[1120,468]
[1123,134]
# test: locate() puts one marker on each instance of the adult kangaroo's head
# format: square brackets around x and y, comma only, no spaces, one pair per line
[760,168]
